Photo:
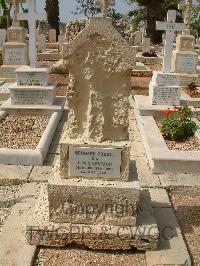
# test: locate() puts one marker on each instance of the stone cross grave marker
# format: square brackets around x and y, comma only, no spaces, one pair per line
[170,27]
[187,8]
[32,16]
[104,5]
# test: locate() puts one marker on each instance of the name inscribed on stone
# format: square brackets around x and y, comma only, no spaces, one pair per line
[14,55]
[29,97]
[166,96]
[94,162]
[186,63]
[32,79]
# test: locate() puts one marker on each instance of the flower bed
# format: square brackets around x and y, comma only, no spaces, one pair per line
[161,157]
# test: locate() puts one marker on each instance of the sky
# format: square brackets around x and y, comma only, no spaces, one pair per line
[67,6]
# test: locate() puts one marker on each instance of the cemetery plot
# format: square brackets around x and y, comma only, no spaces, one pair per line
[25,138]
[161,158]
[22,132]
[190,95]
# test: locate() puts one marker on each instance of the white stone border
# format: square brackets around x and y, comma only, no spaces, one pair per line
[161,159]
[28,156]
[188,100]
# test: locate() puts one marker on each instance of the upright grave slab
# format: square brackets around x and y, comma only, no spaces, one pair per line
[42,45]
[165,86]
[166,94]
[94,164]
[52,35]
[15,50]
[31,95]
[146,45]
[32,87]
[185,59]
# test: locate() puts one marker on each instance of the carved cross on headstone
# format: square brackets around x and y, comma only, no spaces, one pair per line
[32,16]
[170,27]
[187,8]
[104,5]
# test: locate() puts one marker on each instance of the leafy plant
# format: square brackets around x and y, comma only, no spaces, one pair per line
[180,127]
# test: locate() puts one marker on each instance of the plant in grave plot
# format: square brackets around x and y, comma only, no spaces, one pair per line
[180,127]
[192,89]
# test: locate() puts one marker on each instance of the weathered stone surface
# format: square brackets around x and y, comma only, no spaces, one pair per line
[42,232]
[14,249]
[13,174]
[172,249]
[43,173]
[101,63]
[90,202]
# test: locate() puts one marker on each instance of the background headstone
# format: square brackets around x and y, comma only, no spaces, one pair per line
[42,43]
[52,36]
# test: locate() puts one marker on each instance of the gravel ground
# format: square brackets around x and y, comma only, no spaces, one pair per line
[22,132]
[8,195]
[84,257]
[191,144]
[188,214]
[197,95]
[157,67]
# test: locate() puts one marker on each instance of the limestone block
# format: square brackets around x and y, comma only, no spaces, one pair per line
[101,63]
[185,43]
[16,34]
[41,231]
[184,62]
[93,201]
[15,54]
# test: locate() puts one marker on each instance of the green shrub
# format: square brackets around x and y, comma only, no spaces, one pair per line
[180,127]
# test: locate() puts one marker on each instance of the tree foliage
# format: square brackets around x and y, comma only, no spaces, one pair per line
[151,11]
[86,7]
[52,9]
[5,18]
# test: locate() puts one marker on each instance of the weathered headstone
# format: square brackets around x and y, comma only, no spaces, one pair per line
[138,38]
[61,39]
[42,43]
[95,149]
[38,32]
[52,35]
[146,45]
